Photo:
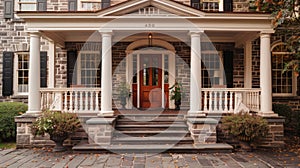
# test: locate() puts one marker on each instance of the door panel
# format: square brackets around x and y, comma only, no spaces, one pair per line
[151,81]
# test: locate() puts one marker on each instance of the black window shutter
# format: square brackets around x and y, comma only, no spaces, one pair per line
[7,87]
[8,9]
[72,5]
[71,62]
[105,4]
[228,67]
[43,60]
[228,6]
[195,4]
[42,5]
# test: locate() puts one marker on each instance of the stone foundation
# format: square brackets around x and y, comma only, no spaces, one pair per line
[100,130]
[275,137]
[203,130]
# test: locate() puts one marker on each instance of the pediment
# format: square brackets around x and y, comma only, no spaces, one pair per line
[151,8]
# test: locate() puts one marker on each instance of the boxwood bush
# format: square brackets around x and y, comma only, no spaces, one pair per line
[8,110]
[292,118]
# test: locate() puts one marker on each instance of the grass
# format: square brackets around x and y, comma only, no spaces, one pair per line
[7,145]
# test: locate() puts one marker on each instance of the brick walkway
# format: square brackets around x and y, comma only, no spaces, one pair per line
[43,158]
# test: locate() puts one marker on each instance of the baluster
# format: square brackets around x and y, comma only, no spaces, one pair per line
[205,100]
[210,101]
[76,102]
[86,93]
[97,101]
[81,102]
[216,101]
[258,101]
[231,102]
[42,101]
[66,101]
[71,101]
[225,101]
[92,101]
[251,100]
[221,101]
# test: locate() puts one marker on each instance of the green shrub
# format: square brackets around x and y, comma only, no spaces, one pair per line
[8,110]
[245,127]
[292,118]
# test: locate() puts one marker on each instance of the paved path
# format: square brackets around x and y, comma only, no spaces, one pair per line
[32,158]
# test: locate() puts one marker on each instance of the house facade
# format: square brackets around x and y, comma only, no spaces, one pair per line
[75,55]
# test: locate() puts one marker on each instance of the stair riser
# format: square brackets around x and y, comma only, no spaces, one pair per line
[150,142]
[152,134]
[151,129]
[149,123]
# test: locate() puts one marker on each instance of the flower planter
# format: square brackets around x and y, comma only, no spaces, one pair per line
[59,141]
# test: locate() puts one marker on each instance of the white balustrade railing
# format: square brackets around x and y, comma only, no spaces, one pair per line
[71,99]
[230,100]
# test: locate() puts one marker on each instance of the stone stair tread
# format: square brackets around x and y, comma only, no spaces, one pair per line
[185,148]
[150,126]
[153,131]
[153,138]
[153,120]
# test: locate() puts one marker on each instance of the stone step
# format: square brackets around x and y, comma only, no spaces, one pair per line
[130,122]
[167,133]
[157,127]
[179,148]
[152,140]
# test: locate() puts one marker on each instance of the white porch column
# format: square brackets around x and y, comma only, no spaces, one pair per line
[248,64]
[106,75]
[265,75]
[51,53]
[34,96]
[195,78]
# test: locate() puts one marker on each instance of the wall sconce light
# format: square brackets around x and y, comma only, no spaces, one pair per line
[150,37]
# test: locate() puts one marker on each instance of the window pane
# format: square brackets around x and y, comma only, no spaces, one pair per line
[28,7]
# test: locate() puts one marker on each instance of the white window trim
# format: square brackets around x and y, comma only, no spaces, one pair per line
[294,77]
[15,76]
[20,3]
[79,5]
[78,64]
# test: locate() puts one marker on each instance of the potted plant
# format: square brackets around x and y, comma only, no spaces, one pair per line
[58,125]
[176,94]
[124,93]
[247,128]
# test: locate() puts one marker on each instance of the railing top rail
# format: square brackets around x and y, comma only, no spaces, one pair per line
[68,89]
[232,89]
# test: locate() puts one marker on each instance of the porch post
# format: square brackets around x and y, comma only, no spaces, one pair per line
[52,54]
[195,78]
[265,75]
[34,96]
[248,64]
[106,75]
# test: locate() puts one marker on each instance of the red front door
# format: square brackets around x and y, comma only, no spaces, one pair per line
[150,81]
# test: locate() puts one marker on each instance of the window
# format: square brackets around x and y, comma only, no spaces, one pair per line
[88,69]
[22,72]
[284,83]
[212,69]
[210,5]
[32,5]
[27,5]
[90,5]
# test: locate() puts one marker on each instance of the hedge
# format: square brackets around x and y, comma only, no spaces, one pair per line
[8,110]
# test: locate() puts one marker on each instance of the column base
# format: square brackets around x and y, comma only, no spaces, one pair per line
[106,113]
[267,114]
[196,113]
[33,113]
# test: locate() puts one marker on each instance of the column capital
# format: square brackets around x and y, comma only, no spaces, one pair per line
[195,32]
[106,32]
[265,35]
[35,33]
